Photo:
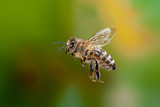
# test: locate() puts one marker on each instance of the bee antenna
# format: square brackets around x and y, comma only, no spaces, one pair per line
[59,43]
[61,48]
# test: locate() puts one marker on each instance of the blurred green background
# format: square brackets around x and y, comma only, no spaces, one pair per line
[33,74]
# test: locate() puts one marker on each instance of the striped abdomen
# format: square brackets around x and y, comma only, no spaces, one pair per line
[104,59]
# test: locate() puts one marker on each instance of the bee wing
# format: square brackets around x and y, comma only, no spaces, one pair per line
[102,37]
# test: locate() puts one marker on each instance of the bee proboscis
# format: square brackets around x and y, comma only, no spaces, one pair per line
[90,51]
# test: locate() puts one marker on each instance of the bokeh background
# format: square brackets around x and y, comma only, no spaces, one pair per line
[33,74]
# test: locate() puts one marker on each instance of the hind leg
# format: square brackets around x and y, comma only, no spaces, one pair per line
[97,73]
[91,73]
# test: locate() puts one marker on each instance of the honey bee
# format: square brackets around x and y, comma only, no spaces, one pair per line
[90,51]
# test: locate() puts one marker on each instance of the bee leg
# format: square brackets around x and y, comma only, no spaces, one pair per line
[82,62]
[74,58]
[73,54]
[91,73]
[84,58]
[97,73]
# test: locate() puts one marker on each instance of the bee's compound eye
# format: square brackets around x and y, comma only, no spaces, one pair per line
[72,44]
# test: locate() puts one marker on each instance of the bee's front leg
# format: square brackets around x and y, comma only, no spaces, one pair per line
[74,58]
[73,54]
[97,73]
[83,59]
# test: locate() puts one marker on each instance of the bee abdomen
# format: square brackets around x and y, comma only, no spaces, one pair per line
[107,62]
[104,59]
[96,53]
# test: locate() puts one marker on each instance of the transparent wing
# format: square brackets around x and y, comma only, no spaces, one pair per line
[102,37]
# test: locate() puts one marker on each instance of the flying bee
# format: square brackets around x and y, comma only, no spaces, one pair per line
[90,51]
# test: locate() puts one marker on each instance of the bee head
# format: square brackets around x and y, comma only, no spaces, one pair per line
[70,45]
